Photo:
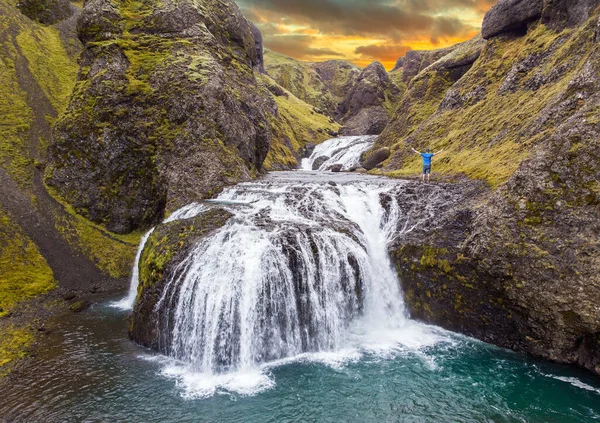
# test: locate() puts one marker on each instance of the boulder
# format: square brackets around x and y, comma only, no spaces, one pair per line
[336,168]
[375,158]
[510,16]
[319,162]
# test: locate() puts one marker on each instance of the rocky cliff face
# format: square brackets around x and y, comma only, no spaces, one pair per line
[518,265]
[322,85]
[368,103]
[166,110]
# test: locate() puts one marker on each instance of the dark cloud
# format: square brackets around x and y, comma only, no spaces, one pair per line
[298,46]
[399,22]
[384,53]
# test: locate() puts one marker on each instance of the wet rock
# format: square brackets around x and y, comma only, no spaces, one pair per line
[319,162]
[510,16]
[336,168]
[79,306]
[166,248]
[376,158]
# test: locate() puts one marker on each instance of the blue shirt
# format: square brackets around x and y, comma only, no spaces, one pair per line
[427,158]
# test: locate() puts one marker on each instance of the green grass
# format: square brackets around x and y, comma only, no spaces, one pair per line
[296,126]
[13,345]
[484,140]
[25,273]
[112,253]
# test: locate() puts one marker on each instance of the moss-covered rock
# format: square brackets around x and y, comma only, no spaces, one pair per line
[166,110]
[369,103]
[168,245]
[47,12]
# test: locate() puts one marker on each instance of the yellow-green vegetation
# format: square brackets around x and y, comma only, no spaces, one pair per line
[53,69]
[24,272]
[301,79]
[487,137]
[296,125]
[24,43]
[13,345]
[112,253]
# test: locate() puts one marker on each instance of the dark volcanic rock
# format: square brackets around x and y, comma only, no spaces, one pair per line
[559,14]
[336,168]
[375,158]
[362,111]
[319,162]
[162,117]
[169,244]
[416,60]
[258,43]
[47,12]
[510,16]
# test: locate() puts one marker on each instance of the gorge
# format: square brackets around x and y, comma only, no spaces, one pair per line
[286,251]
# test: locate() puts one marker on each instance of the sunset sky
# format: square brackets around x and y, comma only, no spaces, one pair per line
[363,30]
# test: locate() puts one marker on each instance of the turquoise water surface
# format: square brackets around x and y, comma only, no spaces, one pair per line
[93,373]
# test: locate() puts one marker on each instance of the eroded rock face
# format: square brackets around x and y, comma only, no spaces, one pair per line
[166,110]
[559,14]
[362,112]
[375,158]
[510,16]
[522,270]
[169,244]
[415,61]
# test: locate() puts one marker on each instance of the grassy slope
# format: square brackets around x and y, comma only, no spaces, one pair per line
[485,140]
[301,79]
[25,273]
[296,126]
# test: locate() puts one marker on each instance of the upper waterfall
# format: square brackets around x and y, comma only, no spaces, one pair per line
[345,151]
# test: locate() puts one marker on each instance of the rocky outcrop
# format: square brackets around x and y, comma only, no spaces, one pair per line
[47,12]
[510,16]
[258,44]
[323,85]
[165,249]
[363,110]
[166,110]
[415,61]
[515,266]
[514,15]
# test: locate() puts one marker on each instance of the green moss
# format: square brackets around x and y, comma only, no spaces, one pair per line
[49,63]
[486,139]
[14,342]
[25,273]
[112,253]
[296,125]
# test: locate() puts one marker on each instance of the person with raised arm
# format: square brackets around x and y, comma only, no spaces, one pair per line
[427,156]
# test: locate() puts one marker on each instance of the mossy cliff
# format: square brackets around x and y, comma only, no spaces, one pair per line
[166,110]
[322,84]
[166,248]
[45,245]
[516,265]
[361,101]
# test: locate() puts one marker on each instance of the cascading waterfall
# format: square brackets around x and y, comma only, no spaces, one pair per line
[345,151]
[128,302]
[301,267]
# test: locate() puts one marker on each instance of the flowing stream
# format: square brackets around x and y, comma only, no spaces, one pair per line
[290,312]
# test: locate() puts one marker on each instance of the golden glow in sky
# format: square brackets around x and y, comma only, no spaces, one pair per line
[361,31]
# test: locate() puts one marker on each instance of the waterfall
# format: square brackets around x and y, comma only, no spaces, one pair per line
[128,302]
[301,267]
[343,150]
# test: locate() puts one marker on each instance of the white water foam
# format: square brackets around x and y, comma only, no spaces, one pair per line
[300,273]
[187,212]
[575,382]
[342,150]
